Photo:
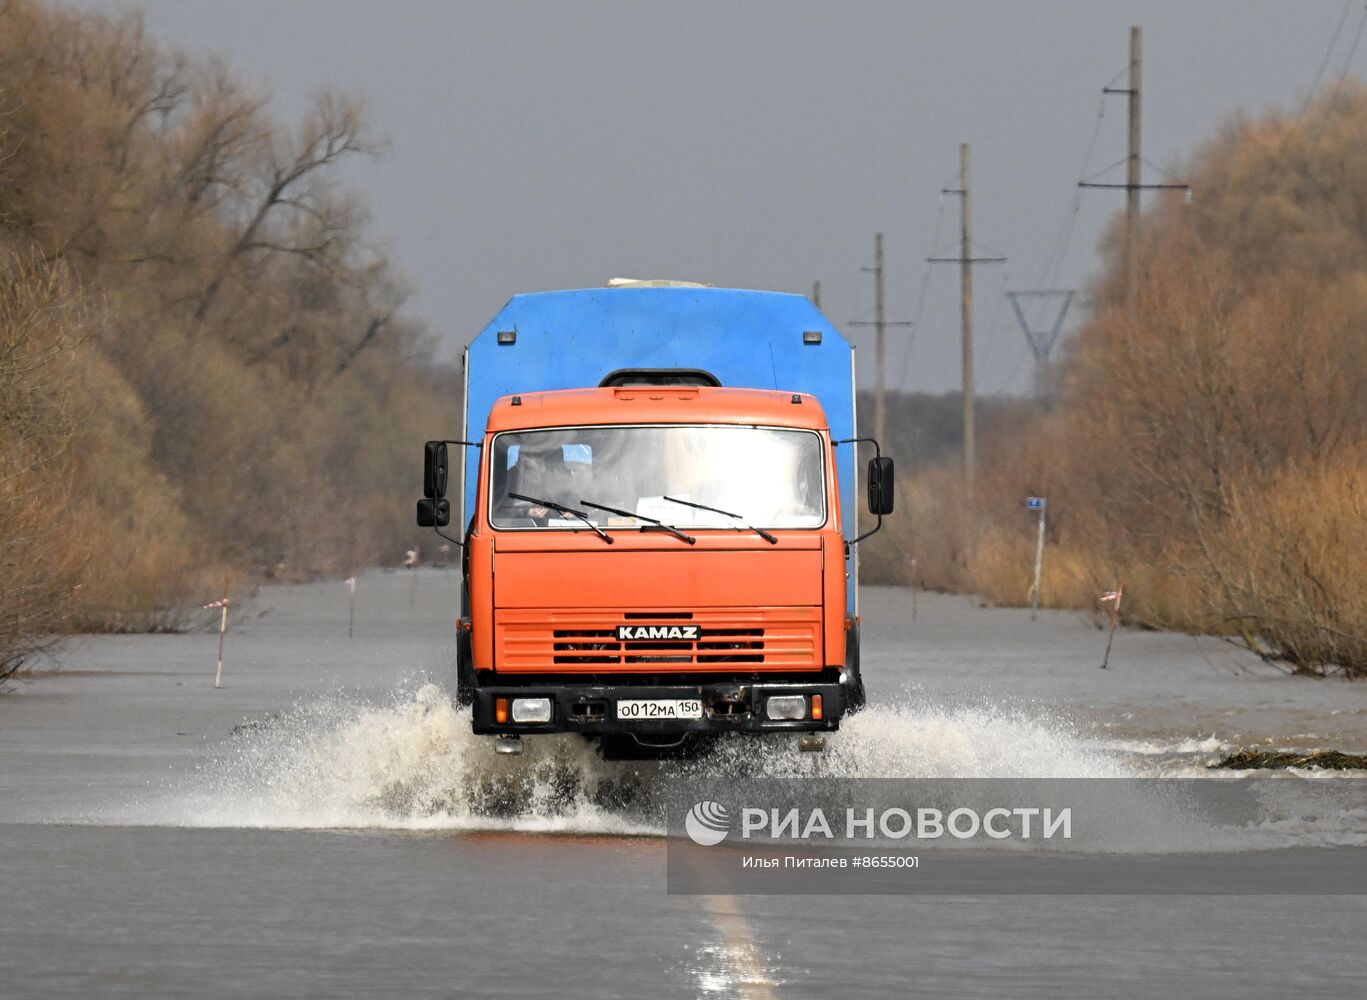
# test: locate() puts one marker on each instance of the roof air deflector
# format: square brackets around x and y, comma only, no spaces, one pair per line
[659,376]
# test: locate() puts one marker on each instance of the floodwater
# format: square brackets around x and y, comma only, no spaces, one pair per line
[324,825]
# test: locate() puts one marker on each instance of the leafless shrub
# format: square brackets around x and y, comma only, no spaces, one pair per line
[1209,449]
[40,322]
[249,396]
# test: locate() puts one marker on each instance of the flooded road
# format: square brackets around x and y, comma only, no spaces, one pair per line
[325,824]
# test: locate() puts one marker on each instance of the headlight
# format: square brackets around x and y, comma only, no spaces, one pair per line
[787,706]
[531,710]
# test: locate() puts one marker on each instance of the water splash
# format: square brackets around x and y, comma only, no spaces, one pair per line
[412,763]
[929,741]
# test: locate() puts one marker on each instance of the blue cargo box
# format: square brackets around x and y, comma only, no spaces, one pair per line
[748,339]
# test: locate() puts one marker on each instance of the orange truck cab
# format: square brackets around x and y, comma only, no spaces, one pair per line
[658,520]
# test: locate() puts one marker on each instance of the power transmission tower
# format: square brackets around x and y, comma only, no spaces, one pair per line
[966,260]
[1133,160]
[1042,339]
[880,324]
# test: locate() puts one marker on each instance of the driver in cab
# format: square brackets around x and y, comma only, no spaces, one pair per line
[543,473]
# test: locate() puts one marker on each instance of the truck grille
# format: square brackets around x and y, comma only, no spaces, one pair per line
[753,639]
[730,645]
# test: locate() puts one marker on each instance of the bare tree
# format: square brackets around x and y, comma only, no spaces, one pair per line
[289,185]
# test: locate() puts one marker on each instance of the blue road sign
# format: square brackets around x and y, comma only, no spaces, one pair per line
[1035,503]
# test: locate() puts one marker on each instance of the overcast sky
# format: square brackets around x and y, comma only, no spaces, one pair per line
[761,145]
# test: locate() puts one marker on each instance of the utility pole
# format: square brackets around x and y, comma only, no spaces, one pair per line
[816,294]
[966,260]
[1132,167]
[1133,161]
[880,325]
[966,315]
[880,332]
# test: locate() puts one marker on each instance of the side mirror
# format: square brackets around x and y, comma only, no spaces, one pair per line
[434,471]
[434,513]
[880,486]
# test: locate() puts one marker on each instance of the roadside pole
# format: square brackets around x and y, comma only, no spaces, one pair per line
[223,603]
[1040,504]
[1113,598]
[410,561]
[915,586]
[351,606]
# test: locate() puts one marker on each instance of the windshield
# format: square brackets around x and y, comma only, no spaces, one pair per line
[766,477]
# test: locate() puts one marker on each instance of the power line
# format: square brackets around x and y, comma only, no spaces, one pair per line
[1338,87]
[921,293]
[1166,173]
[994,324]
[1287,134]
[1107,169]
[1015,369]
[1324,63]
[1046,285]
[1049,274]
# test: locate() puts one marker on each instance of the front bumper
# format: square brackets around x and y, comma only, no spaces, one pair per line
[736,707]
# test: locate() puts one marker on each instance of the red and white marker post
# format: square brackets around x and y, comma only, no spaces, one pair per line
[1112,597]
[223,603]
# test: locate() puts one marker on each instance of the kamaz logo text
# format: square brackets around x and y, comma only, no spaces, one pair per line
[658,632]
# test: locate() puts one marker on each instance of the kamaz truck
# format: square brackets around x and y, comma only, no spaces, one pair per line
[656,497]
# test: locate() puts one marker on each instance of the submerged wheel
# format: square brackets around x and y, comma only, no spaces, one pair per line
[465,660]
[465,671]
[854,681]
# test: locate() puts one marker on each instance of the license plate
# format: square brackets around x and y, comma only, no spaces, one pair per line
[660,708]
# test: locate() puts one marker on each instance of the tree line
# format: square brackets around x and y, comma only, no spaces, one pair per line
[1208,446]
[205,368]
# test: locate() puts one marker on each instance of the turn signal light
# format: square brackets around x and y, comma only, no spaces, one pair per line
[816,706]
[501,710]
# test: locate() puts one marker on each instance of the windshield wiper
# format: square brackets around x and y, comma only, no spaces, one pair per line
[726,513]
[563,510]
[641,517]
